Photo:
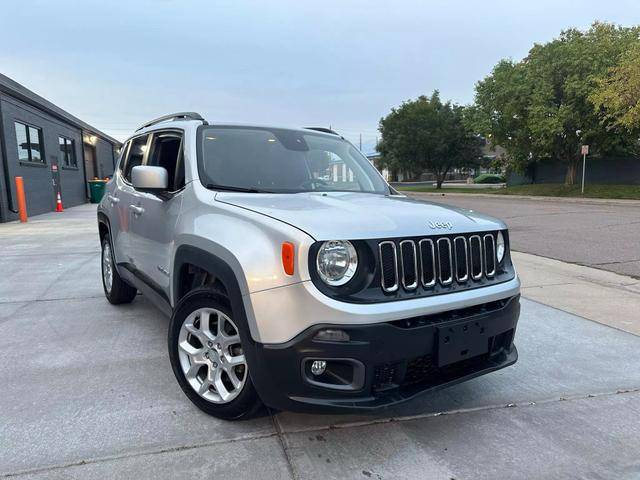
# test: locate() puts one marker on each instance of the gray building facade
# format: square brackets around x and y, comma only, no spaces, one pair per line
[53,151]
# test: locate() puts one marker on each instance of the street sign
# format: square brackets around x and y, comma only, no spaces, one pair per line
[584,151]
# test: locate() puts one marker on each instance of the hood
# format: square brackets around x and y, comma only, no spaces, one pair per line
[358,216]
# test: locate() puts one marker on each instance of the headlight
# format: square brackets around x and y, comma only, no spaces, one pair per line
[500,247]
[337,262]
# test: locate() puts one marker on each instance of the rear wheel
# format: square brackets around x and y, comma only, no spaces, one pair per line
[115,289]
[207,356]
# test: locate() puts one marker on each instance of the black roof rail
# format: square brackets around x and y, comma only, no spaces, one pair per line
[175,116]
[323,130]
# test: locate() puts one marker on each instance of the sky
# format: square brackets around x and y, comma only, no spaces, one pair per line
[342,64]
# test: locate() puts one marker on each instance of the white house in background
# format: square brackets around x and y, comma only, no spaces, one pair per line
[373,158]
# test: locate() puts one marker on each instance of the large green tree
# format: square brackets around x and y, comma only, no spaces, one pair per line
[618,93]
[542,107]
[427,134]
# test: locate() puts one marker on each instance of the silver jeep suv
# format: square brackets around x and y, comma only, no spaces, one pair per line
[295,276]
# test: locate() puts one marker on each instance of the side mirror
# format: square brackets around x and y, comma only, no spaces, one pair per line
[150,179]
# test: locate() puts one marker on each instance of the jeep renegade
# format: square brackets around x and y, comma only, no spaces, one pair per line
[295,276]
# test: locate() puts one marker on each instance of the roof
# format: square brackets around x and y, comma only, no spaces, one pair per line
[20,92]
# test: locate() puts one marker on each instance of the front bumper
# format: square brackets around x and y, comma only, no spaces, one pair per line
[390,362]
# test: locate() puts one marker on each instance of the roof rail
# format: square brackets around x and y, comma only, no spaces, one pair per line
[323,130]
[175,116]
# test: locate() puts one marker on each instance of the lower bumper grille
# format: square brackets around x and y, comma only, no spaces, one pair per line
[423,370]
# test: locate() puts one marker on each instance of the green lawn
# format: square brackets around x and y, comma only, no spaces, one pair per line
[546,190]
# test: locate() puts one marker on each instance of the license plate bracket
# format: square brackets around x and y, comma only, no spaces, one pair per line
[461,341]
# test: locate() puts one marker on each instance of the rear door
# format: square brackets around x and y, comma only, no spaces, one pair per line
[123,197]
[153,227]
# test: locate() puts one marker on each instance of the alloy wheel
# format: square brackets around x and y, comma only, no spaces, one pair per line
[211,355]
[107,267]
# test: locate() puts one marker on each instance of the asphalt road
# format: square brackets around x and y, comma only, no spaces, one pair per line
[87,392]
[595,234]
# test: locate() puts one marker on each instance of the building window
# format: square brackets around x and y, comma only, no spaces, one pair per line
[29,139]
[68,152]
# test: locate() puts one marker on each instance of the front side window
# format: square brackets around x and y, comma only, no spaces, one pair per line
[29,140]
[166,151]
[68,152]
[283,161]
[135,155]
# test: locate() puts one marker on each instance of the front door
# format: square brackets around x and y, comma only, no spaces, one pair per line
[155,216]
[90,164]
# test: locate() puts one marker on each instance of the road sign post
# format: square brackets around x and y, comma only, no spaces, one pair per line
[585,152]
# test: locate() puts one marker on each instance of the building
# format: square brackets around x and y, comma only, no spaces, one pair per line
[53,151]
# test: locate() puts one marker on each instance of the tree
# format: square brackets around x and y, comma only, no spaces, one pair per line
[541,107]
[426,134]
[618,93]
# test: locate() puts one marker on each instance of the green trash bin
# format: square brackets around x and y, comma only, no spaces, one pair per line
[96,190]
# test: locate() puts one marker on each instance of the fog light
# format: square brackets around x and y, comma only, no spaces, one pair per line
[331,335]
[318,367]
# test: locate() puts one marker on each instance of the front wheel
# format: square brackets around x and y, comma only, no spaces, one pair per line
[208,359]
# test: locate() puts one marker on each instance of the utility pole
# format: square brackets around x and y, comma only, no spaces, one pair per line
[360,142]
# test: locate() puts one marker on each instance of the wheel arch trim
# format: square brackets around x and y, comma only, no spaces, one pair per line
[222,270]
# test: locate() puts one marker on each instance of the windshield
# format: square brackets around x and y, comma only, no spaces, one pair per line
[258,159]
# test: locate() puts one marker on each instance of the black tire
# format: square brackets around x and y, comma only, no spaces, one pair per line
[121,291]
[247,403]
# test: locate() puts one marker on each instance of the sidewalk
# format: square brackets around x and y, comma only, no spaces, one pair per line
[539,198]
[597,295]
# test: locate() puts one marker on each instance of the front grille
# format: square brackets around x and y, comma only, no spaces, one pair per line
[461,260]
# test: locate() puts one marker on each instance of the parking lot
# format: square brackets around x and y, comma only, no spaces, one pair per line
[598,233]
[87,390]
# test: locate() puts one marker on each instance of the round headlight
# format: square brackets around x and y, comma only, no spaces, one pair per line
[337,262]
[500,247]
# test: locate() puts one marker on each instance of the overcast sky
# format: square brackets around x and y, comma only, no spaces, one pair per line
[340,63]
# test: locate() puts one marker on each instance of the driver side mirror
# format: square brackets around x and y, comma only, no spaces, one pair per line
[150,179]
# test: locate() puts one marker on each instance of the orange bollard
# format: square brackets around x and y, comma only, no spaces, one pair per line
[22,202]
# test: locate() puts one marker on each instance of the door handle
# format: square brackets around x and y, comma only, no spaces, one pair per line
[113,199]
[136,210]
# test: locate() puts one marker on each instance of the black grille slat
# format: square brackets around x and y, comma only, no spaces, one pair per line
[408,265]
[445,267]
[427,262]
[489,255]
[388,266]
[475,256]
[461,254]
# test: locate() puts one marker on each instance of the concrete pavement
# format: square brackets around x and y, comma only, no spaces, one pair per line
[88,392]
[601,296]
[590,232]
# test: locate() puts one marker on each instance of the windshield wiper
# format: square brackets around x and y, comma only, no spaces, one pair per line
[229,188]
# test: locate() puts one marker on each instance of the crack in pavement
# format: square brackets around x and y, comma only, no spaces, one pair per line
[57,254]
[281,433]
[36,300]
[617,263]
[283,444]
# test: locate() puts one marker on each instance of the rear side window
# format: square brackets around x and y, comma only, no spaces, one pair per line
[135,156]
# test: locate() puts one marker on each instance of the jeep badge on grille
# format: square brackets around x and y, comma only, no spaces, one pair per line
[441,225]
